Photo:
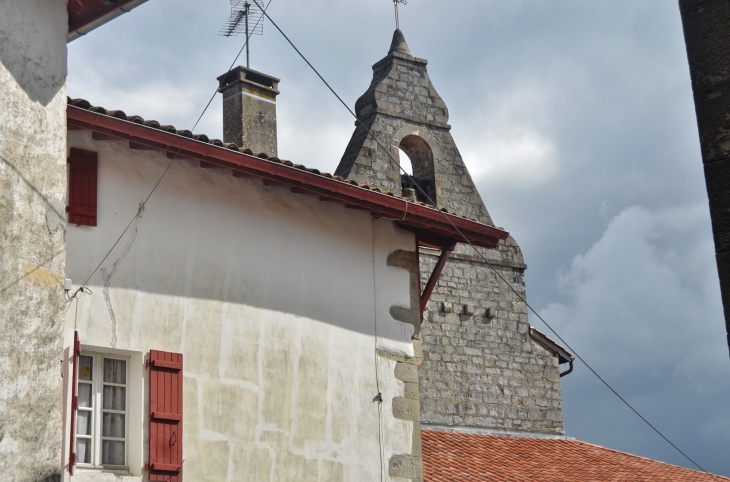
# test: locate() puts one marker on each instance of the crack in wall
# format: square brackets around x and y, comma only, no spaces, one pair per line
[107,276]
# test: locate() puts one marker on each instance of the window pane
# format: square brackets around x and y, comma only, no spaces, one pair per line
[113,425]
[83,422]
[115,371]
[83,451]
[112,452]
[85,398]
[115,398]
[85,365]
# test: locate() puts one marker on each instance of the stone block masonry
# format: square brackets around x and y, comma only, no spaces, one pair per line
[483,372]
[478,370]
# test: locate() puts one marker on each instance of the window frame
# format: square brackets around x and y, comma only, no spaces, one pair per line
[97,409]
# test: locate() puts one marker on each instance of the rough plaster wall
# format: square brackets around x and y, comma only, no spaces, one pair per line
[475,372]
[249,122]
[32,190]
[271,298]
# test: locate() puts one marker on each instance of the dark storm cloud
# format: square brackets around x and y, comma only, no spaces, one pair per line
[576,120]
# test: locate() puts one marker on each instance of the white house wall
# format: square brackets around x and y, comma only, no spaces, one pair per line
[32,190]
[273,298]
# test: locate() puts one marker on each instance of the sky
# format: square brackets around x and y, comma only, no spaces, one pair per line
[577,124]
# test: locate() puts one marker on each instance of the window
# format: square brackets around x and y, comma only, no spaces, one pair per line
[102,418]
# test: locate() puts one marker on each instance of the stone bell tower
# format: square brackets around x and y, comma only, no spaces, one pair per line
[483,367]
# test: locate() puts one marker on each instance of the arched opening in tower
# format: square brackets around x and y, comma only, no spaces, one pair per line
[420,165]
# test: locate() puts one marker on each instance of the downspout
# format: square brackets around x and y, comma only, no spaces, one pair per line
[570,369]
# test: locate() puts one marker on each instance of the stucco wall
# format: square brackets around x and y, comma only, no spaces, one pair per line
[274,300]
[32,191]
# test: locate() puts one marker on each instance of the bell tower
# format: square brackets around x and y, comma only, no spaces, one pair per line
[404,111]
[483,368]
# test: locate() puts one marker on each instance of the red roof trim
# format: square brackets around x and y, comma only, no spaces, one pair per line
[93,14]
[414,217]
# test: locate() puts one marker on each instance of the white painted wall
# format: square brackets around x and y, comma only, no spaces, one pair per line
[272,297]
[32,249]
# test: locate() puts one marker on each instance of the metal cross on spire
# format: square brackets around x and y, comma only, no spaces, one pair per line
[395,5]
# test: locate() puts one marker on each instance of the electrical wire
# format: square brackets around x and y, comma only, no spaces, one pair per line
[491,266]
[172,161]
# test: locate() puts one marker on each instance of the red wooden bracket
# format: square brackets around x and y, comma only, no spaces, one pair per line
[176,417]
[435,274]
[166,364]
[166,467]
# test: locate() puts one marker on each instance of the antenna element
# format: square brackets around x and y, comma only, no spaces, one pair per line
[244,19]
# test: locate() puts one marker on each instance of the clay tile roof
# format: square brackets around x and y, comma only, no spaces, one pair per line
[153,124]
[464,457]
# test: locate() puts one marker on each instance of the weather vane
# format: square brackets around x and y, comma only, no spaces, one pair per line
[395,4]
[244,19]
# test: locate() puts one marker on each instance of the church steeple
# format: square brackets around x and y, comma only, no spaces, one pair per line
[402,108]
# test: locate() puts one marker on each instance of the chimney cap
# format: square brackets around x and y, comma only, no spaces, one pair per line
[248,76]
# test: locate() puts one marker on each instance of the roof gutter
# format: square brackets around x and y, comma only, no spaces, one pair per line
[564,356]
[98,15]
[428,222]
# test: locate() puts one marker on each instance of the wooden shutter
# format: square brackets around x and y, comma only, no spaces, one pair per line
[74,400]
[82,183]
[166,449]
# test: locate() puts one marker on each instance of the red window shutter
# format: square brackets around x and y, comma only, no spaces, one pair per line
[83,173]
[74,401]
[166,449]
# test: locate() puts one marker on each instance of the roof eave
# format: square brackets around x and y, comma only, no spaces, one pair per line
[425,221]
[564,355]
[97,16]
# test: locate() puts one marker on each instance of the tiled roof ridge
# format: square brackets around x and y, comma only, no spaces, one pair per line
[151,123]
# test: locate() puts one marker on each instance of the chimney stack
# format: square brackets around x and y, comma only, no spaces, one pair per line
[249,109]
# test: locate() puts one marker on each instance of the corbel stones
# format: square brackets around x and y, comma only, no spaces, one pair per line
[408,407]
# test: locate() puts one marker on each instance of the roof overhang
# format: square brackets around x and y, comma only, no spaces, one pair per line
[563,355]
[432,227]
[86,15]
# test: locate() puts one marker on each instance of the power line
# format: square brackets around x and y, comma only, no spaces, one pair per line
[491,266]
[144,203]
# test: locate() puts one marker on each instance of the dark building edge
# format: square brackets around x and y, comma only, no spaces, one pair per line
[706,25]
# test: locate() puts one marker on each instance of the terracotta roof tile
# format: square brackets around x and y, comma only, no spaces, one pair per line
[463,457]
[85,104]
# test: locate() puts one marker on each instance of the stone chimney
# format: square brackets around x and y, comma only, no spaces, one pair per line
[249,109]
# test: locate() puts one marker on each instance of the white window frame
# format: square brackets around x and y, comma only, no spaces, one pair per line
[97,393]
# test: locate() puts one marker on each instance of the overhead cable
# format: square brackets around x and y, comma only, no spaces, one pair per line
[491,266]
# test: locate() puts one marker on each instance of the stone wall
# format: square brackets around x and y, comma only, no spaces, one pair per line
[32,248]
[476,371]
[483,372]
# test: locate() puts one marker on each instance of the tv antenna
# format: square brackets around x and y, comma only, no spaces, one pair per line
[243,19]
[395,5]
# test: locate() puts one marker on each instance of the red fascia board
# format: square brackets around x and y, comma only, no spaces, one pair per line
[408,215]
[94,13]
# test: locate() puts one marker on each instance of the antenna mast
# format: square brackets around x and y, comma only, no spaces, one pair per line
[247,7]
[395,5]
